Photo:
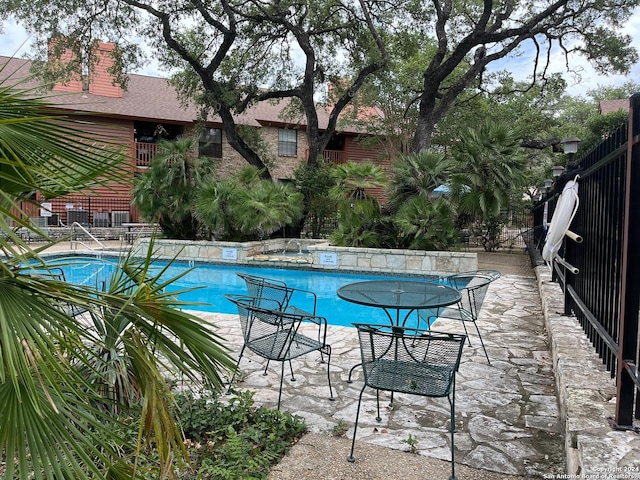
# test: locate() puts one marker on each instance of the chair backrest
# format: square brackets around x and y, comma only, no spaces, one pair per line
[267,290]
[473,288]
[492,275]
[408,360]
[267,332]
[51,273]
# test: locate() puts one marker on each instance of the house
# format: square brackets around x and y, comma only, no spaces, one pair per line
[149,110]
[609,106]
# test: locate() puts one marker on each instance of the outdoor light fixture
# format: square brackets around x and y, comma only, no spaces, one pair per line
[570,145]
[548,182]
[557,170]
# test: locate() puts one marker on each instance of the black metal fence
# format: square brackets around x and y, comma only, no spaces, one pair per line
[604,294]
[91,211]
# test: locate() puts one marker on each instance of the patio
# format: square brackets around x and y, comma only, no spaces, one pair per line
[540,409]
[507,414]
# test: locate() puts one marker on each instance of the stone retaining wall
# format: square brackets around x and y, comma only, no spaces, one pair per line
[586,396]
[314,254]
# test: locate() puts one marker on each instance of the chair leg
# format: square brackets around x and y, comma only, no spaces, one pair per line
[293,378]
[281,380]
[233,377]
[378,418]
[482,343]
[464,324]
[351,458]
[329,372]
[351,372]
[452,402]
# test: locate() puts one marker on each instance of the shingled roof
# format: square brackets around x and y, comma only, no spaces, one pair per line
[149,99]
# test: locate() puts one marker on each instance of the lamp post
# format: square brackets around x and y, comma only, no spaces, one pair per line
[557,170]
[548,183]
[570,147]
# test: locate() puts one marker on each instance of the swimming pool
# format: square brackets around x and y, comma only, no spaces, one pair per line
[213,281]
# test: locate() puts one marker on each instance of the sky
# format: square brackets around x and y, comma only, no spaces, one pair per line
[14,41]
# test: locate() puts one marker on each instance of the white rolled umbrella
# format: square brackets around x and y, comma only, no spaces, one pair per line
[566,209]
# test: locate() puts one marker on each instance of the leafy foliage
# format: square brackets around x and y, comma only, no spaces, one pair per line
[314,182]
[426,224]
[416,174]
[166,193]
[233,439]
[490,172]
[358,210]
[244,207]
[489,166]
[65,383]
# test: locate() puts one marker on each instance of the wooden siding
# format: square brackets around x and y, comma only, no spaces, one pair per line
[358,152]
[100,80]
[74,83]
[112,196]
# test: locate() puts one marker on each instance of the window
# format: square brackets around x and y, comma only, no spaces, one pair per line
[287,142]
[211,142]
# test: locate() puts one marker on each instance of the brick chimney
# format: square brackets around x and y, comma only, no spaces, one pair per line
[67,56]
[101,81]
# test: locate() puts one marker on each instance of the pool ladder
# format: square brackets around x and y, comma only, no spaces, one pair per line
[75,225]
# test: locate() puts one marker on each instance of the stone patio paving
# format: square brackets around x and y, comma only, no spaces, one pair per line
[507,415]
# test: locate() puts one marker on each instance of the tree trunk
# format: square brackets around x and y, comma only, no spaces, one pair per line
[424,134]
[238,144]
[428,115]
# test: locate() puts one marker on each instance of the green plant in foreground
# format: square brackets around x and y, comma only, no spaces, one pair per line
[340,428]
[234,439]
[412,442]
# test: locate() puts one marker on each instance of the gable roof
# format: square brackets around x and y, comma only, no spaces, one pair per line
[150,99]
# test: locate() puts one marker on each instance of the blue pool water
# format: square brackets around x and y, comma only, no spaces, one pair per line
[213,281]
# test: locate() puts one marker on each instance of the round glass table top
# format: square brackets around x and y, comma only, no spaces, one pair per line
[399,294]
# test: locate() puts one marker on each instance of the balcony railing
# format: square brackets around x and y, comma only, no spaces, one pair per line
[145,153]
[336,157]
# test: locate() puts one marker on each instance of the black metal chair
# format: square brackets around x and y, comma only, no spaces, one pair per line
[57,274]
[473,288]
[411,361]
[275,334]
[276,290]
[492,275]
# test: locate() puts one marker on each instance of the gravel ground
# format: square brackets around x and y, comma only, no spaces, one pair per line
[324,457]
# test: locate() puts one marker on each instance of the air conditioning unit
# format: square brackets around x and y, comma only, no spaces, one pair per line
[101,219]
[118,218]
[79,216]
[39,222]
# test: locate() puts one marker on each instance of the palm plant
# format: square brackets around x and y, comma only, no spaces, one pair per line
[490,165]
[244,206]
[426,224]
[63,381]
[166,193]
[416,174]
[358,210]
[267,207]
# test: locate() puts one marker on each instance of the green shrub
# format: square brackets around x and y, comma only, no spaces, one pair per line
[234,440]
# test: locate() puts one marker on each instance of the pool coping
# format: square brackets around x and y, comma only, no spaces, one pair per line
[321,256]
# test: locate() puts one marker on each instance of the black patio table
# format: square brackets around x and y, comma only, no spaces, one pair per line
[399,295]
[410,295]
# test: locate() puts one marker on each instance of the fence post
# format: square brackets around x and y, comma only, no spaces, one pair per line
[630,288]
